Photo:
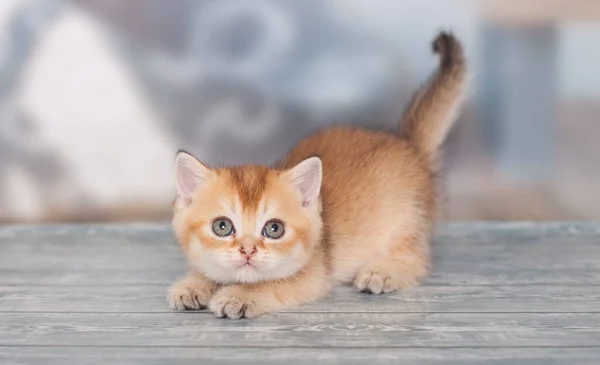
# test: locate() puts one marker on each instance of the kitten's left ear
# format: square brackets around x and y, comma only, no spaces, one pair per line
[190,174]
[306,177]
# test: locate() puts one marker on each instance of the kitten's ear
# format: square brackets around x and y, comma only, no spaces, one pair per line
[189,175]
[306,177]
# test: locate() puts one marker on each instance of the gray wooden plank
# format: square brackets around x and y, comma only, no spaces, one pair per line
[135,236]
[421,299]
[293,356]
[302,330]
[453,240]
[465,274]
[129,254]
[464,254]
[443,274]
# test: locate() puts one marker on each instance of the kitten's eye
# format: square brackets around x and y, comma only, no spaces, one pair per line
[273,229]
[222,227]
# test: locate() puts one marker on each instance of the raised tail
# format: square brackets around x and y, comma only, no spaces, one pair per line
[434,107]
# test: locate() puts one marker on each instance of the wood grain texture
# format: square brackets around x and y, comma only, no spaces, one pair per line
[499,293]
[299,356]
[420,299]
[305,330]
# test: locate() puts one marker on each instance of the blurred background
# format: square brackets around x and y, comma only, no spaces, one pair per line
[97,95]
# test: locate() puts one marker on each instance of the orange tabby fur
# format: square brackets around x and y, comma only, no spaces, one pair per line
[361,212]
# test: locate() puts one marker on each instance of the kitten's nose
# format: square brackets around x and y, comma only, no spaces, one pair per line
[248,248]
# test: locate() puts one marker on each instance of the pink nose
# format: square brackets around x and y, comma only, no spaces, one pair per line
[248,251]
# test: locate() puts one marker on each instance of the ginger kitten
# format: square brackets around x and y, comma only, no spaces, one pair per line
[347,205]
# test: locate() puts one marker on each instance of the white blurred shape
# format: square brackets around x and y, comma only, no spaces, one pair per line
[88,107]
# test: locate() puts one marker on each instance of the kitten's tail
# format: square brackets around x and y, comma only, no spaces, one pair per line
[434,107]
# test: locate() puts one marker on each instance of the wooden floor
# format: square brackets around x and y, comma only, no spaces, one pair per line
[511,293]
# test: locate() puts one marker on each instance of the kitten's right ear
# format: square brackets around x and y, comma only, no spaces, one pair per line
[307,177]
[190,174]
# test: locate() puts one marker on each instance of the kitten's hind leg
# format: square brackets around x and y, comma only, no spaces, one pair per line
[406,263]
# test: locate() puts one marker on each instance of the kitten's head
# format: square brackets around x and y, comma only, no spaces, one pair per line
[247,224]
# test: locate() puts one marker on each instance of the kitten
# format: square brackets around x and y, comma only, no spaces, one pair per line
[347,205]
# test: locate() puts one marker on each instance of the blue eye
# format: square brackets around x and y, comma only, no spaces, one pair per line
[223,227]
[273,229]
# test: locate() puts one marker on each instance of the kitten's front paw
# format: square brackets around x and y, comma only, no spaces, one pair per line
[183,297]
[235,302]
